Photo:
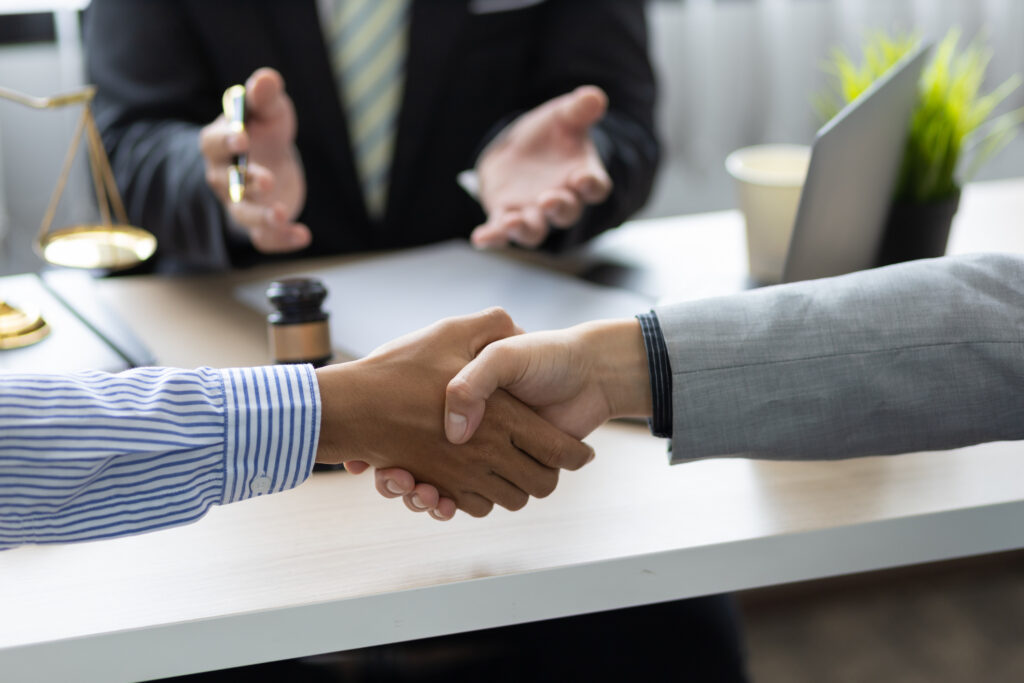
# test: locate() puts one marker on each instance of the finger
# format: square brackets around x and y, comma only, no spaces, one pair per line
[252,215]
[584,106]
[481,328]
[269,228]
[591,182]
[548,445]
[356,466]
[422,499]
[218,143]
[445,510]
[466,395]
[504,493]
[561,207]
[474,504]
[494,233]
[525,472]
[217,179]
[265,96]
[393,482]
[484,327]
[532,230]
[259,182]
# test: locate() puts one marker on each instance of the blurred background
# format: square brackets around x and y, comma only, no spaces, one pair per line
[740,72]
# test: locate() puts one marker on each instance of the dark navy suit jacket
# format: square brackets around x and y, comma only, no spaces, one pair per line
[161,66]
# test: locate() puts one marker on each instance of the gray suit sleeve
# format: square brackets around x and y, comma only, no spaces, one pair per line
[921,356]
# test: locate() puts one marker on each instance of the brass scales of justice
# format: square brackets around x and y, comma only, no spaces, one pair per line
[106,244]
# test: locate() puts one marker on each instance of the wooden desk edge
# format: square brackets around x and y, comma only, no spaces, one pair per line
[497,601]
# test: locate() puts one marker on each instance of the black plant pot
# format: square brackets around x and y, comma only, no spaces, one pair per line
[917,230]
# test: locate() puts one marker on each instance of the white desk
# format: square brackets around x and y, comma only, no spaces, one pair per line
[331,566]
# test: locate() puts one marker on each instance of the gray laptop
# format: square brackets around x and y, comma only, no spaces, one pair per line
[854,165]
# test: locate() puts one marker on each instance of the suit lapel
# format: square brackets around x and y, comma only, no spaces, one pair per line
[433,32]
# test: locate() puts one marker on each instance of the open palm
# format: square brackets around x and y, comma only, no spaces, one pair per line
[542,171]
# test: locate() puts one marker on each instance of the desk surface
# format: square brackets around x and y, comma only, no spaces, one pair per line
[331,566]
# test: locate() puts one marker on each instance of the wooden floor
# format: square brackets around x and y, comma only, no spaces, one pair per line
[955,622]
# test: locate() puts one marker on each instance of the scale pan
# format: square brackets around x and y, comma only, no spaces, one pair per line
[112,247]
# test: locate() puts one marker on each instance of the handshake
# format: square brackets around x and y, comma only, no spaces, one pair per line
[470,412]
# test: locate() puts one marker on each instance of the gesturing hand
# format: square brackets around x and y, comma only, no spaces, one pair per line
[542,171]
[275,189]
[387,410]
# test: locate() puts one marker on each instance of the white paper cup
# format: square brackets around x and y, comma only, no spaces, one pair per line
[769,179]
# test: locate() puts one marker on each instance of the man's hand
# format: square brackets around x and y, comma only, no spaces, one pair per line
[387,410]
[275,189]
[542,170]
[576,378]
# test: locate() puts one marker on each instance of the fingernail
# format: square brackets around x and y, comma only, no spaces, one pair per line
[394,488]
[455,427]
[437,515]
[234,142]
[417,502]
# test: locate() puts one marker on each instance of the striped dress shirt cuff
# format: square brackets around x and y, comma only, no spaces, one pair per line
[661,375]
[92,455]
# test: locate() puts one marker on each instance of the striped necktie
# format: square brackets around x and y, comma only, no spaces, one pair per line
[368,47]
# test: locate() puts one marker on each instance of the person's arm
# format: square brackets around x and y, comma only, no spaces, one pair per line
[390,417]
[157,107]
[927,355]
[93,455]
[607,45]
[920,356]
[593,162]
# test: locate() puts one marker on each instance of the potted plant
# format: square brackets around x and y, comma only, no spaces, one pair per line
[952,134]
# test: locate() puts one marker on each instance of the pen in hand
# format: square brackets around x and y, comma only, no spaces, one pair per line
[233,102]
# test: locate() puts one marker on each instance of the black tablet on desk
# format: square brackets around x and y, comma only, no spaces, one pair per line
[83,334]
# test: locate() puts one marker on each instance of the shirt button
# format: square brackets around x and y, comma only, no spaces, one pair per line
[260,485]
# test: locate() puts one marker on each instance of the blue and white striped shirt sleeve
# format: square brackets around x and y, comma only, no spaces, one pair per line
[93,455]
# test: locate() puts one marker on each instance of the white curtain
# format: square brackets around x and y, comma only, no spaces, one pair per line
[740,72]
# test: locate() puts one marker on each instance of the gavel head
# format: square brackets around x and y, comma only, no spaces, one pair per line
[298,326]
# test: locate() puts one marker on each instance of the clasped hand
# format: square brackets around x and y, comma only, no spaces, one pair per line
[537,393]
[387,411]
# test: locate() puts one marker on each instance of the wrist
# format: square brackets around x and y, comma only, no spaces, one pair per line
[619,364]
[343,402]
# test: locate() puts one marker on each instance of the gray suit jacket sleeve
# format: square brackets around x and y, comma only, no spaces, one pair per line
[921,356]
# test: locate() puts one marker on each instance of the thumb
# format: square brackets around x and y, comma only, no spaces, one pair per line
[584,106]
[264,92]
[466,396]
[356,466]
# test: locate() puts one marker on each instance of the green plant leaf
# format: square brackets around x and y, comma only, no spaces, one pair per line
[952,123]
